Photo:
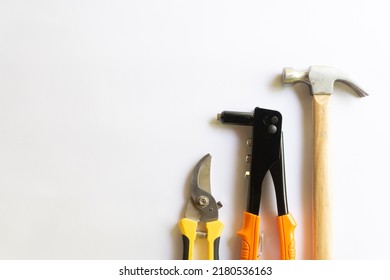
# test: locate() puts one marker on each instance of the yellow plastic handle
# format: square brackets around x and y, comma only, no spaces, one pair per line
[214,231]
[286,225]
[188,231]
[249,234]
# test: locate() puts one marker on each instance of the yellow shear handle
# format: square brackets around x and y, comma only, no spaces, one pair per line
[188,230]
[214,231]
[249,234]
[286,225]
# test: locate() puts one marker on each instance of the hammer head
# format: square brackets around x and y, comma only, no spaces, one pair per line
[320,79]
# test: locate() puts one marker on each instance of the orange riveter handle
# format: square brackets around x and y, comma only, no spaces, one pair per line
[249,234]
[286,225]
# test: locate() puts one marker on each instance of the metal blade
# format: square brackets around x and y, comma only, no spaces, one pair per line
[201,174]
[202,205]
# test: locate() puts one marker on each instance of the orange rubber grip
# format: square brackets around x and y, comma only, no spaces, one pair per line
[286,225]
[249,234]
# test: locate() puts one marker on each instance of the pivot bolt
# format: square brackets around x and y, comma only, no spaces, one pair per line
[203,201]
[272,129]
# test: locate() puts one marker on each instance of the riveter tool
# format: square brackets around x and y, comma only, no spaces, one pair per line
[320,80]
[201,216]
[267,155]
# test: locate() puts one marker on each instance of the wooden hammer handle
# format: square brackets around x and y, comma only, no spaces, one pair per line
[322,210]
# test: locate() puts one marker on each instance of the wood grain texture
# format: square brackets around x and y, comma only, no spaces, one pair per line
[322,207]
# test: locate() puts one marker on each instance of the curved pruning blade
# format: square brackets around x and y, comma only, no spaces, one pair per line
[201,191]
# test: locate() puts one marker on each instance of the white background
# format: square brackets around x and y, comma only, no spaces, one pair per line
[106,106]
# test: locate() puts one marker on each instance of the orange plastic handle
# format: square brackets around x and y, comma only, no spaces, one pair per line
[286,225]
[249,234]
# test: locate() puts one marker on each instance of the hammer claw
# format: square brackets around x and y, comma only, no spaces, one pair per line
[320,79]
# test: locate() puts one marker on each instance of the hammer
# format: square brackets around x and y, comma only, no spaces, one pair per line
[320,80]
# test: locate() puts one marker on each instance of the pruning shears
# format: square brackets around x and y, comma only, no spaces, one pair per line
[267,155]
[201,215]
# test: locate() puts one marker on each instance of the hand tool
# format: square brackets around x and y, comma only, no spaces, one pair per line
[320,80]
[201,216]
[266,155]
